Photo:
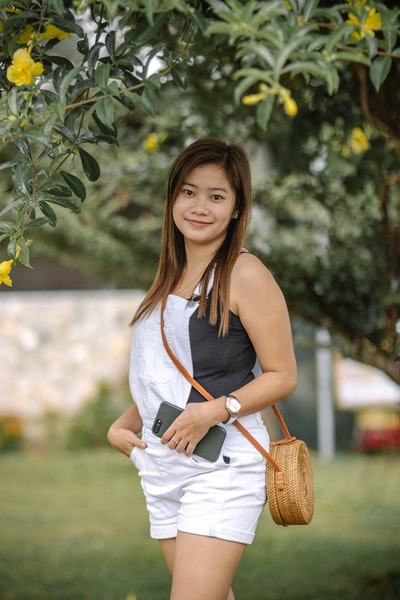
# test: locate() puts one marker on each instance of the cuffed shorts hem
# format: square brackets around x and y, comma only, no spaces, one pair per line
[164,533]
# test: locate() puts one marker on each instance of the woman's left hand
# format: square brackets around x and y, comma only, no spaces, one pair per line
[192,425]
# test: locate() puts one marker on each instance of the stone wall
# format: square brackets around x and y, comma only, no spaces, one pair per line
[57,347]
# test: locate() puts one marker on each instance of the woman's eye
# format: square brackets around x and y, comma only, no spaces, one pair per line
[216,197]
[187,192]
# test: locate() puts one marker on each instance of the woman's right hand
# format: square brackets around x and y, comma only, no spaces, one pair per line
[121,434]
[124,440]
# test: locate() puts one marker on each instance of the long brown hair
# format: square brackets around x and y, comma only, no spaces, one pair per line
[233,160]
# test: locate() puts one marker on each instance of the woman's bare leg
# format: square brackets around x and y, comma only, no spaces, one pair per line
[202,567]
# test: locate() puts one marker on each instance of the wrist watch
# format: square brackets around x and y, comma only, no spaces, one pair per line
[232,407]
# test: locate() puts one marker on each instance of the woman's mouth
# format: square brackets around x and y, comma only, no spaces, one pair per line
[196,223]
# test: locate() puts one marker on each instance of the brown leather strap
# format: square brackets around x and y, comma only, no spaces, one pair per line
[209,397]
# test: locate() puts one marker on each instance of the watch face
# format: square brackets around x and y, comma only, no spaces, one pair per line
[233,405]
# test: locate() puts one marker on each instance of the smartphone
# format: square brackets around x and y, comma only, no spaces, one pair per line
[209,447]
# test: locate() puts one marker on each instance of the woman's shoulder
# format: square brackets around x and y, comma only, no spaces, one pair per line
[249,267]
[251,281]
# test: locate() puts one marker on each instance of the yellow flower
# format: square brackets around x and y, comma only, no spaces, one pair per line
[11,10]
[358,141]
[367,26]
[5,268]
[152,142]
[26,35]
[252,99]
[51,32]
[23,68]
[289,104]
[345,151]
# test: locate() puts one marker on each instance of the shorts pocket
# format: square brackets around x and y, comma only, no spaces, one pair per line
[223,461]
[136,456]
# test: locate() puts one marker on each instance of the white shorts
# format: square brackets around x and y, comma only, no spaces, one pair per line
[223,499]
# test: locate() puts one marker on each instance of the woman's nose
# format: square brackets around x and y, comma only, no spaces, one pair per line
[200,204]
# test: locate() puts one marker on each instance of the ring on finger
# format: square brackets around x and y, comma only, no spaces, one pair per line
[175,441]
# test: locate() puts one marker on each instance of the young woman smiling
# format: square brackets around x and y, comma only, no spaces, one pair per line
[226,321]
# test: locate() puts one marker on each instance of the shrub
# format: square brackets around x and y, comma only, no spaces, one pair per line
[89,428]
[11,436]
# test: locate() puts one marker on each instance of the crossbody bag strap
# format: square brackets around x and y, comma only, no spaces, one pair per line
[194,383]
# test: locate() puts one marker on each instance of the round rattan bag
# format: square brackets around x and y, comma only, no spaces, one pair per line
[290,490]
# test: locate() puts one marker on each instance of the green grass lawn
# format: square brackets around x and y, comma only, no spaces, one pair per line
[73,526]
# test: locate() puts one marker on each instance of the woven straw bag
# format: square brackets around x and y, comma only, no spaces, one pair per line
[289,479]
[290,485]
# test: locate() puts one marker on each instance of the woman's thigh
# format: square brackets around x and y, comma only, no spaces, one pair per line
[203,567]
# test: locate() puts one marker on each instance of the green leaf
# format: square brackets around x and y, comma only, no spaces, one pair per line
[75,184]
[58,109]
[126,101]
[105,111]
[64,202]
[93,57]
[78,88]
[36,223]
[23,256]
[49,96]
[379,70]
[179,75]
[12,248]
[306,67]
[353,56]
[89,165]
[332,79]
[264,54]
[22,145]
[66,82]
[48,212]
[40,137]
[11,206]
[372,45]
[264,110]
[8,227]
[102,75]
[22,214]
[68,25]
[389,26]
[309,8]
[21,179]
[149,101]
[66,133]
[55,189]
[110,43]
[110,132]
[58,75]
[7,164]
[12,100]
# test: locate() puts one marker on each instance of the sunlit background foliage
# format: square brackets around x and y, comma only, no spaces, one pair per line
[97,98]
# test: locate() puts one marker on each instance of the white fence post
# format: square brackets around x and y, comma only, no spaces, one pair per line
[325,408]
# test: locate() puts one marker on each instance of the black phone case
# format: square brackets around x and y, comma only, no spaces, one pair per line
[209,447]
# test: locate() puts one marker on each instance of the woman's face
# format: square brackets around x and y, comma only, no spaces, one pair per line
[205,205]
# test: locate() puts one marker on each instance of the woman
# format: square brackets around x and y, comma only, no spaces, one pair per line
[224,315]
